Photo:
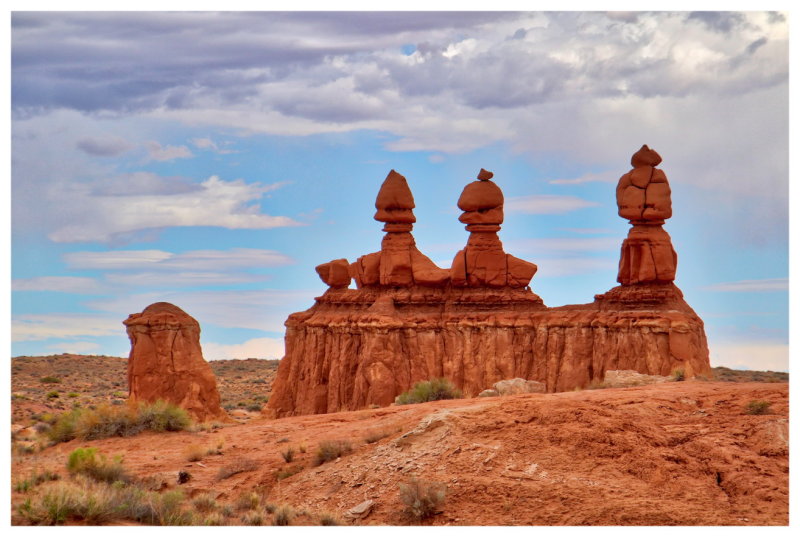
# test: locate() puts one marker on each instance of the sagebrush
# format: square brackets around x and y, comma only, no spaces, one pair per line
[429,390]
[422,499]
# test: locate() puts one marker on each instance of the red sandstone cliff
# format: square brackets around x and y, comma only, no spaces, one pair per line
[479,322]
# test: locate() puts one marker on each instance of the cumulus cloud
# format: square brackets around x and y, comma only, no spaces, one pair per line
[547,204]
[110,146]
[751,286]
[216,202]
[60,284]
[264,348]
[170,152]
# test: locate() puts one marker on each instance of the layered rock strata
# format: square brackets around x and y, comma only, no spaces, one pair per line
[477,326]
[166,362]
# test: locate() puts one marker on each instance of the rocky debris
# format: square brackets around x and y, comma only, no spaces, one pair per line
[628,378]
[360,511]
[644,198]
[489,393]
[518,385]
[166,362]
[479,322]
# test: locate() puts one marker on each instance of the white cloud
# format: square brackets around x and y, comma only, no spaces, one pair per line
[547,204]
[264,348]
[60,284]
[182,279]
[192,260]
[752,355]
[204,143]
[228,204]
[170,152]
[34,327]
[106,146]
[750,286]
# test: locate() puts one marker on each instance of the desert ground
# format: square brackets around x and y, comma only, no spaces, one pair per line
[677,453]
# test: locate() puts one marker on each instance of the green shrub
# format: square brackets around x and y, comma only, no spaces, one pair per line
[88,462]
[288,472]
[35,479]
[253,518]
[238,466]
[52,395]
[422,498]
[73,395]
[288,455]
[50,380]
[429,390]
[678,375]
[757,408]
[106,421]
[204,503]
[330,450]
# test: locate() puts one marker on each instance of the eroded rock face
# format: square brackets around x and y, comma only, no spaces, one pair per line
[166,362]
[479,322]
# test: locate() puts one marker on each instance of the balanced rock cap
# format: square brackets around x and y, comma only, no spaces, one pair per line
[481,194]
[645,157]
[394,193]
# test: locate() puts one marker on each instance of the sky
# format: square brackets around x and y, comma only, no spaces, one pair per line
[212,160]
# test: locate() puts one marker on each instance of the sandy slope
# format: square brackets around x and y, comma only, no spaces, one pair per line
[677,453]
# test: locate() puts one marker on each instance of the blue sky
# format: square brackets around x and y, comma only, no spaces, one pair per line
[213,159]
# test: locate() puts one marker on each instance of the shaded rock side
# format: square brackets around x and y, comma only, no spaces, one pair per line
[166,362]
[343,354]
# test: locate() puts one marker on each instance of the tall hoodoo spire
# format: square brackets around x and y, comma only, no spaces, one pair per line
[644,198]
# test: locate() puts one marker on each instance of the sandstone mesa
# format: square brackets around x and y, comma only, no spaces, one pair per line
[479,322]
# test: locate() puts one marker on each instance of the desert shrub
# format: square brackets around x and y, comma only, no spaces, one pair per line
[214,519]
[88,462]
[236,467]
[73,395]
[52,395]
[204,503]
[254,407]
[288,455]
[259,381]
[253,518]
[757,408]
[374,436]
[429,390]
[248,501]
[283,516]
[679,375]
[422,498]
[270,508]
[327,519]
[105,421]
[50,380]
[37,478]
[288,472]
[330,450]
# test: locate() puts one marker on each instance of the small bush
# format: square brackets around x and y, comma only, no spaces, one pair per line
[36,479]
[283,516]
[73,395]
[194,453]
[288,472]
[248,501]
[253,518]
[52,395]
[254,407]
[422,498]
[288,455]
[50,380]
[430,390]
[236,467]
[214,519]
[757,408]
[679,375]
[330,450]
[204,503]
[327,519]
[88,462]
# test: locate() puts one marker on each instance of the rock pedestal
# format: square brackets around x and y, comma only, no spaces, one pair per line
[479,322]
[166,362]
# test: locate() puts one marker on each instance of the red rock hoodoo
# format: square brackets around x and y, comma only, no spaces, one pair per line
[479,322]
[166,362]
